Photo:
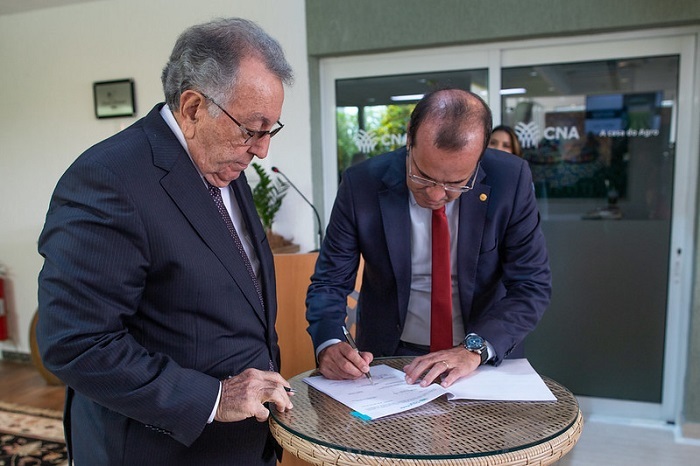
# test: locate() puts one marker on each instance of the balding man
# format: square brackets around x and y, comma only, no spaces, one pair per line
[456,270]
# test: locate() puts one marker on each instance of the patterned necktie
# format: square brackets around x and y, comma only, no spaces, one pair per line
[441,285]
[219,201]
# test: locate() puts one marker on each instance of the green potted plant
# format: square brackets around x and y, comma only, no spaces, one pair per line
[267,196]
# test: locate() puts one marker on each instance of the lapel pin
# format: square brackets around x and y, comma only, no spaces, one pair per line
[483,197]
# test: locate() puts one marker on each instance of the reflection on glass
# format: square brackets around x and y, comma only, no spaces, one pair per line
[372,113]
[599,134]
[599,139]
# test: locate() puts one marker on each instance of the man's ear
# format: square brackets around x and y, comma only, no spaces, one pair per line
[192,104]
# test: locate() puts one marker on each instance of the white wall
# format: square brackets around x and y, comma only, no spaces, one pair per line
[48,62]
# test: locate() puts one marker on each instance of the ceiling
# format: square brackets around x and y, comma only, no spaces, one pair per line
[560,80]
[379,90]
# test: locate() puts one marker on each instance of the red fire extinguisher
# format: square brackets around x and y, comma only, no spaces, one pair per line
[3,307]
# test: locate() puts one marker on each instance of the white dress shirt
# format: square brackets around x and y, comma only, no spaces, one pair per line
[418,316]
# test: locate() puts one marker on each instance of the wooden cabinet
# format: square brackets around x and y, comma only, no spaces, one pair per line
[293,273]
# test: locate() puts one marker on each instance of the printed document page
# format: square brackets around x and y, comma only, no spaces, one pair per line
[389,394]
[513,380]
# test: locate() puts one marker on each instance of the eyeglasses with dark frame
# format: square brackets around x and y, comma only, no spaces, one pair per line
[249,134]
[426,183]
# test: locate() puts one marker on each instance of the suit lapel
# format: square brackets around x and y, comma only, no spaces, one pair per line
[185,187]
[244,198]
[396,220]
[473,207]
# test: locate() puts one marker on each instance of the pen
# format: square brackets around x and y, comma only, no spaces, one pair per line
[352,344]
[289,390]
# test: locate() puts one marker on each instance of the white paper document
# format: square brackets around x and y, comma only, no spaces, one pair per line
[513,380]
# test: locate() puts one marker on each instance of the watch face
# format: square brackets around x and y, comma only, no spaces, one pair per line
[474,342]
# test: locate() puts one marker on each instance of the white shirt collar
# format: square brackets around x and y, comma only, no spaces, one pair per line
[170,120]
[174,127]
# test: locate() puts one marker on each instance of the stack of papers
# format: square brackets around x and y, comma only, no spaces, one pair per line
[513,380]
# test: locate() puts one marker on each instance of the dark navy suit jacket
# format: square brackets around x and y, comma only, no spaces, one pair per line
[503,268]
[145,304]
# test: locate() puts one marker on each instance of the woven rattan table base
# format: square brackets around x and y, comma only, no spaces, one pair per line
[321,431]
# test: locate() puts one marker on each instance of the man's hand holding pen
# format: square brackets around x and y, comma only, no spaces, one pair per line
[341,362]
[244,395]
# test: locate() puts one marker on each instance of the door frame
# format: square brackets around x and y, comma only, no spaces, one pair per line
[494,56]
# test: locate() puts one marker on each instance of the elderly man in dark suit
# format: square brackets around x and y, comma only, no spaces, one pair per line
[157,295]
[456,270]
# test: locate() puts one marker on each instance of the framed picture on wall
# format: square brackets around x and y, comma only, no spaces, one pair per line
[114,98]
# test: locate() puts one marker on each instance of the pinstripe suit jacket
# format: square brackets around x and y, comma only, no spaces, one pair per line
[145,304]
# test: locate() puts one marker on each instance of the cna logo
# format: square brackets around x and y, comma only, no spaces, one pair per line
[528,134]
[365,141]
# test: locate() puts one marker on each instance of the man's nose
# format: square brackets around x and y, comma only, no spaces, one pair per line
[260,147]
[436,193]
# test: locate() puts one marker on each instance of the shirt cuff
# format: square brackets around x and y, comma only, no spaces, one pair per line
[216,406]
[490,352]
[325,345]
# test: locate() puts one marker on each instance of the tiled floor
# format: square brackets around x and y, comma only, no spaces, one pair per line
[615,444]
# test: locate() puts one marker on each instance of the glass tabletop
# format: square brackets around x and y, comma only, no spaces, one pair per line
[440,429]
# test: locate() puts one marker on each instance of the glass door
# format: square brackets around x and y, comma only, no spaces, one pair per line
[606,123]
[600,140]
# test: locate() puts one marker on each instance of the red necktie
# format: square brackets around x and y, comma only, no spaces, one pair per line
[441,287]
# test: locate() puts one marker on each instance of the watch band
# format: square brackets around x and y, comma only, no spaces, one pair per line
[484,355]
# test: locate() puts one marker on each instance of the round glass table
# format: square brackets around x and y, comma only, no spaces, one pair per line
[321,430]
